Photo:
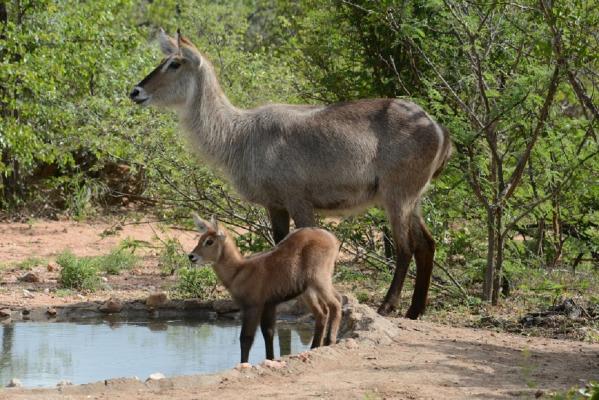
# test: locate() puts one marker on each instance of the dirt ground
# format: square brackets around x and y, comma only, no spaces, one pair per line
[423,361]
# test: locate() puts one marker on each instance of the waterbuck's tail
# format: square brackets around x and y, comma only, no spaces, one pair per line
[446,150]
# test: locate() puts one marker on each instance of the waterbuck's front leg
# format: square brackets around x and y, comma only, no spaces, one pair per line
[279,221]
[267,325]
[250,320]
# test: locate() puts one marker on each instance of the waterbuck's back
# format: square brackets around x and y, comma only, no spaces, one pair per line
[306,255]
[337,156]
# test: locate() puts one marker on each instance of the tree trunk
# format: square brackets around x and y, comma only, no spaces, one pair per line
[490,270]
[497,279]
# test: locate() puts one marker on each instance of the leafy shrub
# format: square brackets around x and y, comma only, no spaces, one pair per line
[197,283]
[116,261]
[172,257]
[78,273]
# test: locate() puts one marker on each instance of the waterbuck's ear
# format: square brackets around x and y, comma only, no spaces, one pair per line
[219,232]
[187,49]
[201,225]
[167,43]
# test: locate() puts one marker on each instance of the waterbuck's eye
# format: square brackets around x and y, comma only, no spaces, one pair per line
[209,242]
[174,65]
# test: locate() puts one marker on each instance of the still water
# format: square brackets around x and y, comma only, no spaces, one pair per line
[42,354]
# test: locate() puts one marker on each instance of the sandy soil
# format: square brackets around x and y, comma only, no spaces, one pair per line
[423,361]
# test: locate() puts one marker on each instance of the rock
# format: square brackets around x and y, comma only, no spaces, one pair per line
[111,306]
[51,311]
[274,364]
[80,296]
[52,266]
[31,277]
[351,343]
[243,366]
[47,291]
[25,311]
[104,279]
[5,312]
[27,294]
[63,383]
[224,306]
[156,376]
[14,382]
[156,299]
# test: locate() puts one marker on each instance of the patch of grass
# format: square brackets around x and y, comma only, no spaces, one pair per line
[63,292]
[78,273]
[199,283]
[29,263]
[116,261]
[172,257]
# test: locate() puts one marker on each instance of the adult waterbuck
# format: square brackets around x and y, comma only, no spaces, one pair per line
[298,159]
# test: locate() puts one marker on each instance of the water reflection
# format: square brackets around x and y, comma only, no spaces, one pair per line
[41,354]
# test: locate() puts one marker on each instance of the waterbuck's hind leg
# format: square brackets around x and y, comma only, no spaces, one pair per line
[424,252]
[400,223]
[267,325]
[320,317]
[250,321]
[279,222]
[334,317]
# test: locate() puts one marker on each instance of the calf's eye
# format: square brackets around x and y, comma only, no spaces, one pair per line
[174,65]
[209,242]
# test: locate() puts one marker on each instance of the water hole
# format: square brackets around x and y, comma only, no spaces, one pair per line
[40,354]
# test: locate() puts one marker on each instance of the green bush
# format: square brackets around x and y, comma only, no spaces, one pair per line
[78,273]
[172,257]
[197,283]
[116,261]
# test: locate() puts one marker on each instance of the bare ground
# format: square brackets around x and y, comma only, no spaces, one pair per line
[423,361]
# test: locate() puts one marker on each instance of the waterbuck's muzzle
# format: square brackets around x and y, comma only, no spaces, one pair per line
[139,95]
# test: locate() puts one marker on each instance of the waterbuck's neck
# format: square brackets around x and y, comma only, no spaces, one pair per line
[210,118]
[229,262]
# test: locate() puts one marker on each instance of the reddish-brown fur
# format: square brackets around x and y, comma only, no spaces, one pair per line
[301,264]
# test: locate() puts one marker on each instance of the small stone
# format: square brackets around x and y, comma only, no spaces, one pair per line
[351,343]
[111,306]
[156,376]
[14,382]
[30,277]
[539,393]
[51,311]
[52,266]
[47,291]
[80,296]
[274,364]
[243,366]
[63,383]
[224,306]
[156,299]
[27,294]
[104,279]
[5,312]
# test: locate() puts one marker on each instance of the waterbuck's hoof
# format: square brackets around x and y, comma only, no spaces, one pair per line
[386,309]
[414,312]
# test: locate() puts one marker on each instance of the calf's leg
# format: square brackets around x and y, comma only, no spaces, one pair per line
[267,325]
[249,324]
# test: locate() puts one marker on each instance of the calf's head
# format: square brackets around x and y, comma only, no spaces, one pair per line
[210,244]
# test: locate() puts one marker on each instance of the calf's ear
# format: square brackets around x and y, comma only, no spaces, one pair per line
[201,225]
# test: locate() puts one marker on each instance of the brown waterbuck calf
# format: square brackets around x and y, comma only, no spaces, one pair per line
[298,159]
[301,264]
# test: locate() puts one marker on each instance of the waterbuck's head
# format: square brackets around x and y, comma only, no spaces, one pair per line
[170,83]
[210,245]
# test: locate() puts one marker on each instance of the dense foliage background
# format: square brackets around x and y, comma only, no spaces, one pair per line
[515,82]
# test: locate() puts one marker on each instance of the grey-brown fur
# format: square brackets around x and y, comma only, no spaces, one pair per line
[300,265]
[295,160]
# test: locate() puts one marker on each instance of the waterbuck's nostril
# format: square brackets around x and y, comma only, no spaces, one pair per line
[191,257]
[134,93]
